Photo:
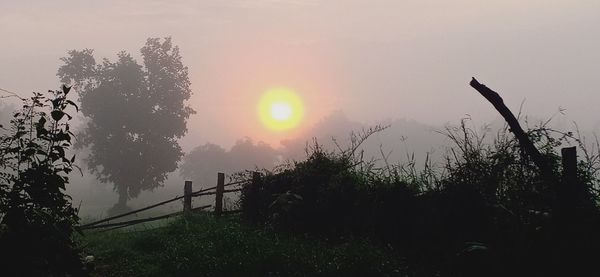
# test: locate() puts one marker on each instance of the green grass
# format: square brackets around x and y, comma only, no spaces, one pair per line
[203,246]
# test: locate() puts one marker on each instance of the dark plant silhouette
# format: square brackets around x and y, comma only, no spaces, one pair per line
[36,216]
[487,211]
[135,114]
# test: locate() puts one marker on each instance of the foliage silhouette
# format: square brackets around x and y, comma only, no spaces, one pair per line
[36,216]
[487,212]
[135,114]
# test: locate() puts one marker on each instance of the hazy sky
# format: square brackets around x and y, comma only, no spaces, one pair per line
[374,59]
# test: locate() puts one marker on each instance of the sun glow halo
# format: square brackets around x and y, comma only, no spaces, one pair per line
[280,109]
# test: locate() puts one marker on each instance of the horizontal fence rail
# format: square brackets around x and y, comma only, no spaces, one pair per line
[217,190]
[136,221]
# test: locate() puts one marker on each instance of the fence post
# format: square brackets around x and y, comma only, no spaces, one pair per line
[255,183]
[187,199]
[219,195]
[251,205]
[568,193]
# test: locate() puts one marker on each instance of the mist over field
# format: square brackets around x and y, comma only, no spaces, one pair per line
[368,102]
[355,62]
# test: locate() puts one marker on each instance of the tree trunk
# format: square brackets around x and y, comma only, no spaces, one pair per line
[122,198]
[121,206]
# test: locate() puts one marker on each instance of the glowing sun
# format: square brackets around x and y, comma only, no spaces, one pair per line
[280,109]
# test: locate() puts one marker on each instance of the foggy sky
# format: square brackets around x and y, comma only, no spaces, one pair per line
[375,60]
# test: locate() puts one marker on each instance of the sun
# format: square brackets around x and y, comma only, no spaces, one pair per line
[280,109]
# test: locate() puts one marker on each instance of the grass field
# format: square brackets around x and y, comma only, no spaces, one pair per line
[203,246]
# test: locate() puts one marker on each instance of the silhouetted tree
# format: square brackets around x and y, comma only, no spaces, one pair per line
[245,154]
[397,142]
[135,114]
[203,162]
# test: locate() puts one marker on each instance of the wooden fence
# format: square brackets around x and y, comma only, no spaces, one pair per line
[568,193]
[218,190]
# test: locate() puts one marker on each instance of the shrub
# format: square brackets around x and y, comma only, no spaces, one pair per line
[488,197]
[36,216]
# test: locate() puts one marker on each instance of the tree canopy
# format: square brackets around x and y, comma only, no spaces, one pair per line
[203,162]
[135,113]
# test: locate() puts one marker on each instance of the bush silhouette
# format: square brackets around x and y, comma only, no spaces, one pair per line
[489,211]
[36,216]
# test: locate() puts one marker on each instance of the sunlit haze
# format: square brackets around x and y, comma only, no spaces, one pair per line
[374,60]
[299,137]
[280,109]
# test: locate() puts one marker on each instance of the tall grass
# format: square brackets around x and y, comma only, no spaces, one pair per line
[203,246]
[487,199]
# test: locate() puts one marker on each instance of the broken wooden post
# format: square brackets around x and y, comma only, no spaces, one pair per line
[524,141]
[219,195]
[187,197]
